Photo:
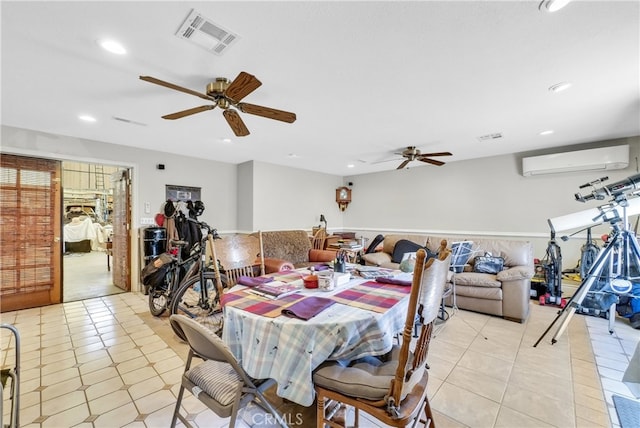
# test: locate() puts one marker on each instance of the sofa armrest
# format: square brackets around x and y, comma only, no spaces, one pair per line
[515,273]
[377,258]
[516,284]
[322,255]
[272,265]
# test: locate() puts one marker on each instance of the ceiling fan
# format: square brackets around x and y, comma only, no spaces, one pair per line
[411,154]
[226,94]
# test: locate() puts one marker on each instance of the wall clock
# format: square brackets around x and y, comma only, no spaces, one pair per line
[343,197]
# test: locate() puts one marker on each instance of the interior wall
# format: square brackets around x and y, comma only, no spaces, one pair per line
[245,196]
[488,197]
[217,179]
[290,198]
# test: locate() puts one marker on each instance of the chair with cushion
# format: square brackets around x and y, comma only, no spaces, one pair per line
[219,381]
[392,389]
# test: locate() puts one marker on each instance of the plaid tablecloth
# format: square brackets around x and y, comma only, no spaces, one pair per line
[288,349]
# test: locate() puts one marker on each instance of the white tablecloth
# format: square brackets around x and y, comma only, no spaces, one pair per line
[288,349]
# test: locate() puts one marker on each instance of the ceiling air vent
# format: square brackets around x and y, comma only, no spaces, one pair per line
[205,33]
[489,137]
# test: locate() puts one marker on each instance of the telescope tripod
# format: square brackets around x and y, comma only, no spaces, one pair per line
[613,264]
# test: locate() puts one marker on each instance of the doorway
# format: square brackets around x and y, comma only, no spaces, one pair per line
[92,206]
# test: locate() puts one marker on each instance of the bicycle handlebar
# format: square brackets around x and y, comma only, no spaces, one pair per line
[203,225]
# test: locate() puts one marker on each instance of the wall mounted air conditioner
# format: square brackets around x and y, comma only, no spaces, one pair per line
[605,158]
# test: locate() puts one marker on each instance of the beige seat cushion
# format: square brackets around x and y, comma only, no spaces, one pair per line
[363,380]
[218,380]
[484,293]
[477,279]
[369,379]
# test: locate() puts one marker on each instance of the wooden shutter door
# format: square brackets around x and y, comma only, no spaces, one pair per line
[121,184]
[30,226]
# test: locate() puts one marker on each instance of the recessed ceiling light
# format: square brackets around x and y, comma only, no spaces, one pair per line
[559,87]
[86,118]
[112,46]
[547,132]
[553,5]
[226,140]
[350,165]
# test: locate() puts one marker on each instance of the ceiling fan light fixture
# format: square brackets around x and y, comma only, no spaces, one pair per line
[553,5]
[218,87]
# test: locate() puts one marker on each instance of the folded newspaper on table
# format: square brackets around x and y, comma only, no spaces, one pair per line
[308,307]
[274,289]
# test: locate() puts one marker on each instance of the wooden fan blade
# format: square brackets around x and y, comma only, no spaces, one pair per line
[176,87]
[235,122]
[188,112]
[431,161]
[242,86]
[436,154]
[403,164]
[269,113]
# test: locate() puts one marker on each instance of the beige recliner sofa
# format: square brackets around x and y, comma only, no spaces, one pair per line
[505,294]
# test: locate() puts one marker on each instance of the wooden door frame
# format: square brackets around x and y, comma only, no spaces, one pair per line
[134,265]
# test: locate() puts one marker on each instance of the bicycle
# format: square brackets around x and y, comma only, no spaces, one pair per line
[170,278]
[163,275]
[198,294]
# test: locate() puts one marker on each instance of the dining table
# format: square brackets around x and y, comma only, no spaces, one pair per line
[362,319]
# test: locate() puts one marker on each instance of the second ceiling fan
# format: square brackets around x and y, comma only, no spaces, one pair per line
[227,95]
[411,154]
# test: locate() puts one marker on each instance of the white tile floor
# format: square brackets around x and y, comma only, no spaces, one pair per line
[105,362]
[85,275]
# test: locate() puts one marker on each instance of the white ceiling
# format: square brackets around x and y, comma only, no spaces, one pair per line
[365,79]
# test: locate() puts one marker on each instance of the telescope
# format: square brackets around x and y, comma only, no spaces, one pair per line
[614,190]
[592,217]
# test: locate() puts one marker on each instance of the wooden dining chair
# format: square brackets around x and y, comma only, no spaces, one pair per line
[319,239]
[392,389]
[239,255]
[219,382]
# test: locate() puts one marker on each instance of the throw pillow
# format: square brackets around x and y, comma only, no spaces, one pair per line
[488,264]
[405,246]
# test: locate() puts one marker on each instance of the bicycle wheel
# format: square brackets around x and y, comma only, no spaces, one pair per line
[158,301]
[189,301]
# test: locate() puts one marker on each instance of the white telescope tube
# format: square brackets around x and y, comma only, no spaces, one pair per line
[590,217]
